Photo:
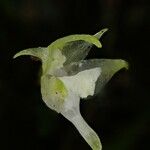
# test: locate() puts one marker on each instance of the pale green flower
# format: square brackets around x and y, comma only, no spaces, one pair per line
[67,77]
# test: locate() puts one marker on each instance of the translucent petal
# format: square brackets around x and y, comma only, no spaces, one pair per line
[60,43]
[108,68]
[78,50]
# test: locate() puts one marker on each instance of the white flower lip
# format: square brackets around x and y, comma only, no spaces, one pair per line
[83,83]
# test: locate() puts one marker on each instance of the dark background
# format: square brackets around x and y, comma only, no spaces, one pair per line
[120,114]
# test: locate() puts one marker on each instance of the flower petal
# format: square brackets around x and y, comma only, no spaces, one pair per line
[61,42]
[108,68]
[76,47]
[83,83]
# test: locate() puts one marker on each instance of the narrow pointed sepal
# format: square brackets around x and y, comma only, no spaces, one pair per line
[39,52]
[60,43]
[99,34]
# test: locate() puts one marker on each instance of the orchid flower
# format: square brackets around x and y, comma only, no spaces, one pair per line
[67,77]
